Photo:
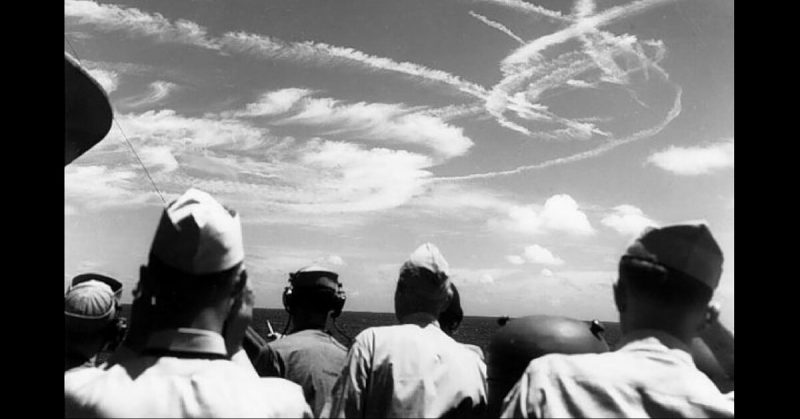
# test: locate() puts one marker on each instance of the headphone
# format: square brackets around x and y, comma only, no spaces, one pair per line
[332,298]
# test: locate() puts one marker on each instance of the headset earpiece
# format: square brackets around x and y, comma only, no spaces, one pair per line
[288,298]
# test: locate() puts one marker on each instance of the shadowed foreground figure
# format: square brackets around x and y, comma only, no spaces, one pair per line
[91,319]
[413,369]
[666,281]
[524,339]
[197,302]
[308,355]
[451,319]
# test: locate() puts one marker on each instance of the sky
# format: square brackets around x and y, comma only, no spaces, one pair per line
[530,141]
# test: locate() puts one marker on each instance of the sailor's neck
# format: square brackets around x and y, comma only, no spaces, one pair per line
[420,319]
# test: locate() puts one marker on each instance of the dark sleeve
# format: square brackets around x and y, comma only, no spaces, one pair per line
[269,363]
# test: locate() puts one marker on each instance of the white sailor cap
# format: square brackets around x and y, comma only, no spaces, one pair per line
[197,235]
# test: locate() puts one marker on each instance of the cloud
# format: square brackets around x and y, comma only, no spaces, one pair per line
[97,187]
[692,161]
[382,121]
[560,213]
[272,103]
[168,127]
[496,25]
[157,91]
[335,260]
[159,158]
[627,220]
[546,273]
[352,178]
[479,278]
[515,259]
[108,79]
[107,17]
[539,255]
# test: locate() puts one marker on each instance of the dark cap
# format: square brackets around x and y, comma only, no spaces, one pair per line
[688,248]
[315,277]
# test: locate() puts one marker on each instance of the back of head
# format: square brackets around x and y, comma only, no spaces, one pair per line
[451,317]
[314,289]
[667,277]
[675,267]
[524,339]
[196,255]
[90,315]
[423,285]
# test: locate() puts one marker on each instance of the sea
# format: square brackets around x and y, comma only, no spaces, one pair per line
[474,330]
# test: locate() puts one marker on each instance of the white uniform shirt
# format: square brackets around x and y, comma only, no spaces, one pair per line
[409,370]
[190,377]
[651,375]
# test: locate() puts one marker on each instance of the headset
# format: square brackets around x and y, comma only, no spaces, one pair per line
[312,280]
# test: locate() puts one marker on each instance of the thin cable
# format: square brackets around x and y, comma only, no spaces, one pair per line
[114,118]
[73,49]
[147,172]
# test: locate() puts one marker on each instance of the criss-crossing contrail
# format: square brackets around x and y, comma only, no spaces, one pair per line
[673,113]
[497,25]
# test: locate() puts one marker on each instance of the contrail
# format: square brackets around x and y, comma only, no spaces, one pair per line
[497,25]
[522,6]
[531,50]
[673,113]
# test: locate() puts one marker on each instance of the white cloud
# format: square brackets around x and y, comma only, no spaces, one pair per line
[627,220]
[539,255]
[690,161]
[515,259]
[352,178]
[466,277]
[546,273]
[158,157]
[272,103]
[560,213]
[383,121]
[166,127]
[96,187]
[335,260]
[157,91]
[108,79]
[107,17]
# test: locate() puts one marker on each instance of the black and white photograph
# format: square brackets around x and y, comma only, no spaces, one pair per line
[399,208]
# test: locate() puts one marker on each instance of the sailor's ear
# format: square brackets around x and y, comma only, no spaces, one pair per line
[619,297]
[712,312]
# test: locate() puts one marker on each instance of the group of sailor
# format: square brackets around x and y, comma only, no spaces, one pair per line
[183,354]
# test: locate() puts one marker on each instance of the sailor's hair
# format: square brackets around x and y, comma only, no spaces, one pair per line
[648,278]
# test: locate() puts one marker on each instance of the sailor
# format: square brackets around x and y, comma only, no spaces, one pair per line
[663,294]
[308,355]
[523,339]
[92,321]
[451,318]
[200,304]
[413,369]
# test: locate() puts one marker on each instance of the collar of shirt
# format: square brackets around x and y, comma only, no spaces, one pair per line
[187,339]
[655,341]
[420,319]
